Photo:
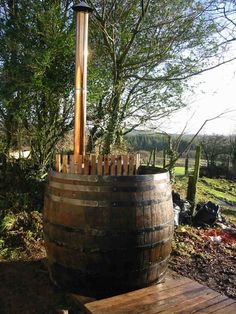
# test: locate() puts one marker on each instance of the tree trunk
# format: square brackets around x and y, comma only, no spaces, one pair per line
[113,123]
[110,137]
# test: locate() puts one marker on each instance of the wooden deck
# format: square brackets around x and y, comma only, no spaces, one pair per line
[176,295]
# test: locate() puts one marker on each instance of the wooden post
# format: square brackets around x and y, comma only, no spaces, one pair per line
[164,158]
[82,11]
[154,157]
[186,166]
[192,183]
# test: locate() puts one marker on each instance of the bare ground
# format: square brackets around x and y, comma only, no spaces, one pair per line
[211,263]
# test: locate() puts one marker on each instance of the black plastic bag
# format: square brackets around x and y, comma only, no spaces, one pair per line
[206,214]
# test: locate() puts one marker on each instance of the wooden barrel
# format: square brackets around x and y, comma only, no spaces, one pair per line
[107,234]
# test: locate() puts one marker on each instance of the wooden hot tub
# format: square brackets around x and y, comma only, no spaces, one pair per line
[106,234]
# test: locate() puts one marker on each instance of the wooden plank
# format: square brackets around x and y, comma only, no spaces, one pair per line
[100,160]
[166,303]
[134,297]
[137,163]
[125,165]
[80,165]
[78,301]
[58,163]
[106,165]
[131,165]
[180,296]
[64,163]
[75,165]
[119,165]
[220,307]
[229,309]
[71,164]
[139,294]
[189,303]
[219,301]
[86,164]
[113,165]
[93,164]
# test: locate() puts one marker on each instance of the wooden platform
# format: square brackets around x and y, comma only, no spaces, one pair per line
[176,295]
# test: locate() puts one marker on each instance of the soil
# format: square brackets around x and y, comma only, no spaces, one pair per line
[25,288]
[207,256]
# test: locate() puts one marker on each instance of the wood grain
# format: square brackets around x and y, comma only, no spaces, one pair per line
[181,296]
[97,224]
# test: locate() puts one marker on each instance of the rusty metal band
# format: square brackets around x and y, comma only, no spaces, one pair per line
[113,274]
[110,204]
[95,188]
[96,178]
[110,232]
[115,249]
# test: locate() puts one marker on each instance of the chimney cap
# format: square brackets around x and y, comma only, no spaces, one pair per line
[82,6]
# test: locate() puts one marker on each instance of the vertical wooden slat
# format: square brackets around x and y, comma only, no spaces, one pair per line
[106,165]
[125,165]
[86,164]
[113,165]
[99,170]
[58,163]
[79,165]
[93,165]
[71,164]
[119,165]
[136,163]
[64,163]
[75,164]
[131,165]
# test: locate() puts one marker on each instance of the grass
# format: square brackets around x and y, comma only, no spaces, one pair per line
[219,191]
[180,171]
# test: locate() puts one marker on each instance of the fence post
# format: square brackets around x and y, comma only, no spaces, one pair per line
[193,179]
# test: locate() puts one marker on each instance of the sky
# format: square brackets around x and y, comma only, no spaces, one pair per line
[215,94]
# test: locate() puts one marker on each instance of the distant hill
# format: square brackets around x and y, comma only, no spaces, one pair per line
[148,140]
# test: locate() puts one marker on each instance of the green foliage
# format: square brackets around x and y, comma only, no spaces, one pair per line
[19,230]
[37,40]
[20,187]
[141,58]
[21,201]
[146,141]
[7,223]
